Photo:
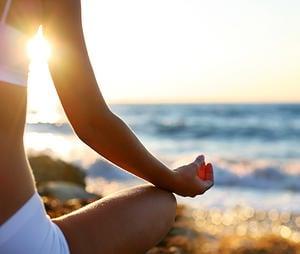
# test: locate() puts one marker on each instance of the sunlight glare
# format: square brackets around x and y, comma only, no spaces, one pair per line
[38,48]
[43,104]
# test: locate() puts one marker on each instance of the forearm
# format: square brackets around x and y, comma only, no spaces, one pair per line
[115,141]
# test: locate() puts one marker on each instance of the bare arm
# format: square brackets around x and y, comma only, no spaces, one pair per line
[83,102]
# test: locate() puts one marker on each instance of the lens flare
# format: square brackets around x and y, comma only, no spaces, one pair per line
[38,48]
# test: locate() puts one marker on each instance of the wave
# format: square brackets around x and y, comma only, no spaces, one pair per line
[267,177]
[224,131]
[265,132]
[56,128]
[170,128]
[108,171]
[259,178]
[226,122]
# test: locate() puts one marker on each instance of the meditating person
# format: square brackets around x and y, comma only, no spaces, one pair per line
[128,222]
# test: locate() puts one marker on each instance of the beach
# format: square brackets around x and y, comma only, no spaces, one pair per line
[240,231]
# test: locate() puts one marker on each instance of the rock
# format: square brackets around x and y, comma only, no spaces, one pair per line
[176,250]
[47,169]
[64,191]
[56,207]
[180,244]
[180,231]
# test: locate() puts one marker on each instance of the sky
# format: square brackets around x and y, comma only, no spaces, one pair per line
[191,51]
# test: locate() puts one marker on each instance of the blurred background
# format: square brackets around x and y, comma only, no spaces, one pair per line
[219,78]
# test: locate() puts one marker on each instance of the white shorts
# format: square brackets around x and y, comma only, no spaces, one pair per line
[31,231]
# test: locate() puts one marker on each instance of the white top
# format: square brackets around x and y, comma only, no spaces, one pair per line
[13,61]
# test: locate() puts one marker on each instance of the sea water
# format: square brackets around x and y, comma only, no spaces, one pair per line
[255,149]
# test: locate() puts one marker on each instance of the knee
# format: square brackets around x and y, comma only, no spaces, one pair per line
[162,202]
[168,205]
[158,194]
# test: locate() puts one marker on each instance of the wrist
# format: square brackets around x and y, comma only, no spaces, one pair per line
[169,181]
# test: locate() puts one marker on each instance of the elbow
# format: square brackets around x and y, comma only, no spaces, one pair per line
[84,133]
[90,128]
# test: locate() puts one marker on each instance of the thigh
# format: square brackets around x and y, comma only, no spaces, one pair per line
[128,222]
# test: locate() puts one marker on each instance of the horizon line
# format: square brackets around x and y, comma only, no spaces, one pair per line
[202,102]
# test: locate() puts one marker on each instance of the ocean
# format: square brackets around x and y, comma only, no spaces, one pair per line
[255,149]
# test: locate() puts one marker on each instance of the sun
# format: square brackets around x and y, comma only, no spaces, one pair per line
[38,48]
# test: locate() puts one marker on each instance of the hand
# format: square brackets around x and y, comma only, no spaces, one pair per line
[193,179]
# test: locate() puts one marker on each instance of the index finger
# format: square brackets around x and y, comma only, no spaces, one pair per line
[200,160]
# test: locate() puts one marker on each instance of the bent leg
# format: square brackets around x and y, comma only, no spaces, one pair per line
[128,222]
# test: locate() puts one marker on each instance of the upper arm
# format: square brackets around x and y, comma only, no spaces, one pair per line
[69,64]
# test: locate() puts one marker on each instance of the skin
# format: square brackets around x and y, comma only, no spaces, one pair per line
[118,222]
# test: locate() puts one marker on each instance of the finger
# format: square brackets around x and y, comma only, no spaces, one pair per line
[201,172]
[209,172]
[200,160]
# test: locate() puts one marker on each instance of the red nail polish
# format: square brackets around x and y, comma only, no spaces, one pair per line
[201,172]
